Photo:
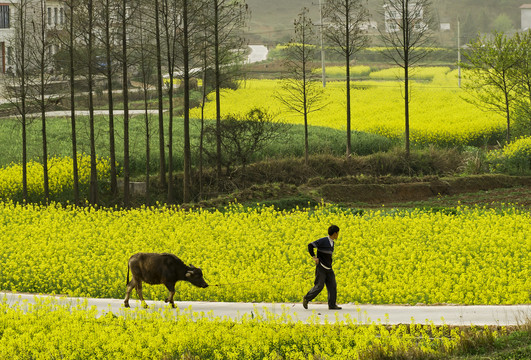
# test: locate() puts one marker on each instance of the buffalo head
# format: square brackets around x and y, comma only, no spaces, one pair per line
[195,276]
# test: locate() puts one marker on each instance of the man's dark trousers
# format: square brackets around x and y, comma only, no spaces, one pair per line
[324,277]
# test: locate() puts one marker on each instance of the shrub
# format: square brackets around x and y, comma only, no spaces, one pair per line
[514,158]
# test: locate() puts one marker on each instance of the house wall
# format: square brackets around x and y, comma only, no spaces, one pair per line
[525,19]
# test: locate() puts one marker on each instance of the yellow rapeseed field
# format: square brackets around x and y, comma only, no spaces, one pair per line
[478,256]
[60,172]
[51,331]
[438,112]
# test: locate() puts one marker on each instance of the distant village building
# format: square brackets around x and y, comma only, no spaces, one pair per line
[7,36]
[55,17]
[369,25]
[525,14]
[393,17]
[445,26]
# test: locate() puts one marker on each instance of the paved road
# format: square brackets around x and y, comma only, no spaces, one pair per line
[386,314]
[66,113]
[258,53]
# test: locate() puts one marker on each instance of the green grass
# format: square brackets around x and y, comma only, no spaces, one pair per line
[322,141]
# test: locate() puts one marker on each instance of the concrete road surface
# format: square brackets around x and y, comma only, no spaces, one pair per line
[258,53]
[504,315]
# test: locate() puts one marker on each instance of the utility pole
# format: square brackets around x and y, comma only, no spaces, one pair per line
[322,47]
[459,52]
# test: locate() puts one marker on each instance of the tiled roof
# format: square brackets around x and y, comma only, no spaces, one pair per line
[525,6]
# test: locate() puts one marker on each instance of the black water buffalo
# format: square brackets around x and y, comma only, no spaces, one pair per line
[164,269]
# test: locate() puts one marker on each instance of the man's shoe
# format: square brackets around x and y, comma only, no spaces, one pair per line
[335,307]
[304,303]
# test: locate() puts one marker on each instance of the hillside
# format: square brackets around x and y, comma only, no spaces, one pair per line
[272,20]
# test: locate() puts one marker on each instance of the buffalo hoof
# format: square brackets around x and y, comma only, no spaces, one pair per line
[126,304]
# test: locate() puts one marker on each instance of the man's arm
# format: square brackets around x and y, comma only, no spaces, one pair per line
[311,247]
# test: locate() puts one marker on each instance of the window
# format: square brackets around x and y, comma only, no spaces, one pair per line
[4,16]
[62,16]
[55,16]
[49,16]
[392,27]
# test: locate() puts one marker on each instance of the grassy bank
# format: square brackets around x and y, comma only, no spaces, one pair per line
[322,140]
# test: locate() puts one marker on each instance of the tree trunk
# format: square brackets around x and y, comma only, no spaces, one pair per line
[73,106]
[406,104]
[218,90]
[405,42]
[112,147]
[146,122]
[508,112]
[126,105]
[349,137]
[162,157]
[347,61]
[305,103]
[42,66]
[145,83]
[202,131]
[186,80]
[93,192]
[22,74]
[171,67]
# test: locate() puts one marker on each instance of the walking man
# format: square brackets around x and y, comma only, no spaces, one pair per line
[324,275]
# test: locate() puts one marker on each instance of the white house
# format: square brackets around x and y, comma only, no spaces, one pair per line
[393,16]
[445,26]
[7,34]
[55,17]
[525,15]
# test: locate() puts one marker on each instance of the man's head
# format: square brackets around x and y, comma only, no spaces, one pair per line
[333,232]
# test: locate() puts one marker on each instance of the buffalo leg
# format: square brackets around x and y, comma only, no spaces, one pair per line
[171,289]
[129,288]
[139,291]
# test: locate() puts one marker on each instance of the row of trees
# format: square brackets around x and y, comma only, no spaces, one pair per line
[115,39]
[406,39]
[499,76]
[112,39]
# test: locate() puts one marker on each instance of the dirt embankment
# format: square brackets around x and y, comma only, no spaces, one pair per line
[416,189]
[364,191]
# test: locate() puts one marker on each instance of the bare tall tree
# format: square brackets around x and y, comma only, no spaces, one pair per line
[107,16]
[158,55]
[345,33]
[204,69]
[124,18]
[186,53]
[147,66]
[302,93]
[523,79]
[93,192]
[191,42]
[17,84]
[225,23]
[492,73]
[170,22]
[72,7]
[86,45]
[40,60]
[406,37]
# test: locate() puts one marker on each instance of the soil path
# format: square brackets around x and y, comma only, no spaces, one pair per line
[503,315]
